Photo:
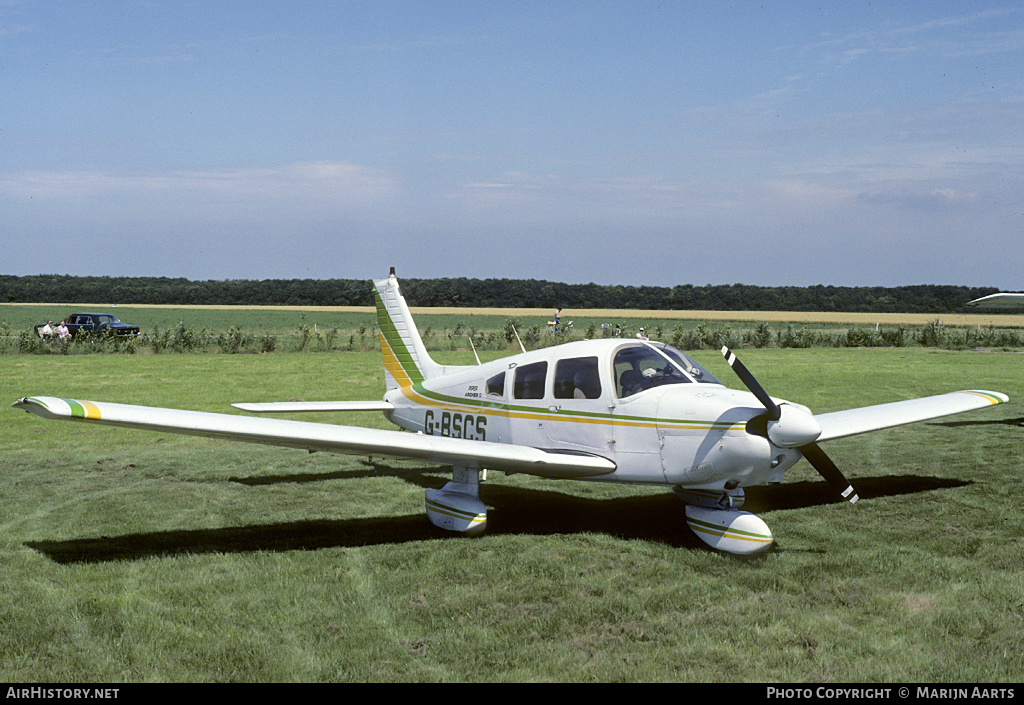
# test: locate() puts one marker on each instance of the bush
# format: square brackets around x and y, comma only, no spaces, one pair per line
[267,343]
[934,334]
[761,336]
[862,338]
[232,341]
[705,335]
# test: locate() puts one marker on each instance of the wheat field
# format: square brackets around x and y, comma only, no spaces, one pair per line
[998,320]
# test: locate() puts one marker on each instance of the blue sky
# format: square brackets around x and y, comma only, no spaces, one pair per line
[663,143]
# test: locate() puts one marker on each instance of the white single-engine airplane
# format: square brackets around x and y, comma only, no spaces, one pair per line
[610,410]
[1000,300]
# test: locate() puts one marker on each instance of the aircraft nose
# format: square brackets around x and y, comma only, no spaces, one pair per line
[795,427]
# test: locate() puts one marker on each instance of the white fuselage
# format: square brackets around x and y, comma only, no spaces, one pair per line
[691,434]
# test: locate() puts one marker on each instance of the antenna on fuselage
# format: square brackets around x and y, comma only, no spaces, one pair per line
[521,346]
[474,348]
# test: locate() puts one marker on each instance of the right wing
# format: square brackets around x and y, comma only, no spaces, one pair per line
[840,424]
[352,440]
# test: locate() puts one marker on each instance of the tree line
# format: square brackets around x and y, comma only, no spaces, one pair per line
[488,293]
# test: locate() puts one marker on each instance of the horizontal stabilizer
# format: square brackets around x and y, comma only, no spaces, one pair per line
[282,407]
[840,424]
[332,438]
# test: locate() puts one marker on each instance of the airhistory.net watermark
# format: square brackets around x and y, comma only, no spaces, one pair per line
[49,693]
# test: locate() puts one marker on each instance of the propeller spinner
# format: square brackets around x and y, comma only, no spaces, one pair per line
[791,427]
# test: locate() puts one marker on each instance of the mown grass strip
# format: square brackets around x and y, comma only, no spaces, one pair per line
[132,556]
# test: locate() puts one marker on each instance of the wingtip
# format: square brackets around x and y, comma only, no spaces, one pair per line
[33,405]
[994,397]
[28,401]
[60,408]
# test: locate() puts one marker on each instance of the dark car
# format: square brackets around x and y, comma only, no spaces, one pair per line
[100,323]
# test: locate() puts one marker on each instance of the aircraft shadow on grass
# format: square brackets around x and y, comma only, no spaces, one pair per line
[529,512]
[1019,421]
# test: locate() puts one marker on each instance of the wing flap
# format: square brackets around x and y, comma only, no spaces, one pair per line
[280,407]
[840,424]
[333,438]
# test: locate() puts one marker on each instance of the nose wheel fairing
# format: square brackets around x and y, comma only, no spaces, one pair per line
[716,518]
[729,530]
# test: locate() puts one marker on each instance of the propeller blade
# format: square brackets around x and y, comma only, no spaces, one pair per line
[824,465]
[814,454]
[748,380]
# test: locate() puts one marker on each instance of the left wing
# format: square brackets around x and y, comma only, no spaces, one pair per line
[352,440]
[274,407]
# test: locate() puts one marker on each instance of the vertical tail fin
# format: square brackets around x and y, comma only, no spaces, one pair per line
[406,361]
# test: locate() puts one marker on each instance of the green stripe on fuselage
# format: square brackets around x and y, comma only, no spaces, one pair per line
[566,415]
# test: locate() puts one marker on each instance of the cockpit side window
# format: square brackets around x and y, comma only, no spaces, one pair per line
[577,378]
[529,381]
[496,385]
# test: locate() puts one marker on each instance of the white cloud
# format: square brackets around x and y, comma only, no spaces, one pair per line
[337,183]
[915,200]
[975,37]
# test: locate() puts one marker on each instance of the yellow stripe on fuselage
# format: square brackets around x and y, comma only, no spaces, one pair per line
[565,416]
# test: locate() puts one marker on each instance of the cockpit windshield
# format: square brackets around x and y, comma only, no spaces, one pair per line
[647,365]
[687,363]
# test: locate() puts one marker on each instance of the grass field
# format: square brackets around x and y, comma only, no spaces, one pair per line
[259,319]
[132,556]
[241,329]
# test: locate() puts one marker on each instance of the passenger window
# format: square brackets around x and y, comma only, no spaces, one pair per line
[577,378]
[496,385]
[529,382]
